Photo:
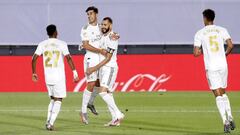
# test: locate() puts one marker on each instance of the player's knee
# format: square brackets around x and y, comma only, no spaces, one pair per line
[97,84]
[90,86]
[103,89]
[58,99]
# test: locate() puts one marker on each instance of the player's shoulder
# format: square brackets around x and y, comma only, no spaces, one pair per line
[223,29]
[85,27]
[44,42]
[61,42]
[199,32]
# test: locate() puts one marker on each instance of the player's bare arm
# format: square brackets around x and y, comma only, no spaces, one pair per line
[197,51]
[89,47]
[98,66]
[72,66]
[34,73]
[229,46]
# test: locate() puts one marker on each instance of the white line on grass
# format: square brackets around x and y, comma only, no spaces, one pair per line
[129,111]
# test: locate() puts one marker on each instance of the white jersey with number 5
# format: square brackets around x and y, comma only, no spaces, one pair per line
[212,38]
[53,51]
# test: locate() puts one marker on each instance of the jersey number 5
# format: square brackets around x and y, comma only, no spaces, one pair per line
[49,56]
[213,43]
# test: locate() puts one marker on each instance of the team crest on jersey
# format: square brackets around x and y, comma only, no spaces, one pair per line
[85,34]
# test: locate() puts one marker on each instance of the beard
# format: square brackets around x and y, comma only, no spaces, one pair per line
[104,30]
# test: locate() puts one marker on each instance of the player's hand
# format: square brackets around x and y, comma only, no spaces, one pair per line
[34,77]
[90,70]
[114,36]
[103,52]
[75,76]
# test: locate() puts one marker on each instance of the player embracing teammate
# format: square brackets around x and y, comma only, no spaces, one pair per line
[93,41]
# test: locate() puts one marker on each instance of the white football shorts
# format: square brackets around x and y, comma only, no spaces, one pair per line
[217,79]
[108,76]
[91,62]
[57,90]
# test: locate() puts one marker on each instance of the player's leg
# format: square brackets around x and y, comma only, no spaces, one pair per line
[50,105]
[91,82]
[228,109]
[224,76]
[59,92]
[85,99]
[215,83]
[55,111]
[107,82]
[92,98]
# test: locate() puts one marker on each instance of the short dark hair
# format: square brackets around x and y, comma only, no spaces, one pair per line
[92,8]
[209,14]
[51,29]
[108,18]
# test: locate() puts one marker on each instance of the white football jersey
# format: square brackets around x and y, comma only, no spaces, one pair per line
[111,46]
[93,35]
[53,51]
[212,38]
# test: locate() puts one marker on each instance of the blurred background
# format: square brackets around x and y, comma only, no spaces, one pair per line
[155,46]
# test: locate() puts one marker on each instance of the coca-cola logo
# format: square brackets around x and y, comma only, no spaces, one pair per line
[138,82]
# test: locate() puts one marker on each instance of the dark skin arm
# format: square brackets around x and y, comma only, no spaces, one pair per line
[197,51]
[229,46]
[34,62]
[72,66]
[98,66]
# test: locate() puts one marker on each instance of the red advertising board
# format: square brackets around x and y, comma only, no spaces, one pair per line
[168,72]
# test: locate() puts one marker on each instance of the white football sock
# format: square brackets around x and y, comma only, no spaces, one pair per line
[55,110]
[85,99]
[227,106]
[114,117]
[93,96]
[111,103]
[50,106]
[221,108]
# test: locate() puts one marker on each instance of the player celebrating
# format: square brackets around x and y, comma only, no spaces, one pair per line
[91,36]
[53,51]
[211,40]
[108,71]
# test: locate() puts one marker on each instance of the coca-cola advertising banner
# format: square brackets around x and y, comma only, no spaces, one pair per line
[150,73]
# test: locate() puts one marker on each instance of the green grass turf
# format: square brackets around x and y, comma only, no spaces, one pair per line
[169,113]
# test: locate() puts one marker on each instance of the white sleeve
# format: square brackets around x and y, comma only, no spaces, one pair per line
[226,35]
[39,50]
[197,40]
[112,46]
[65,50]
[84,34]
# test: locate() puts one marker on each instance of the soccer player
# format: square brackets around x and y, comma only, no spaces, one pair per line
[108,71]
[210,40]
[54,51]
[91,36]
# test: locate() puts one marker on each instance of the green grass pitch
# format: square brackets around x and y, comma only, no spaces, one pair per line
[169,113]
